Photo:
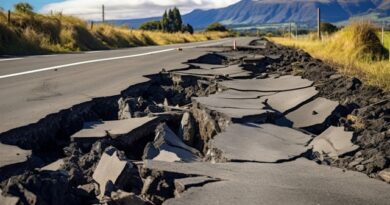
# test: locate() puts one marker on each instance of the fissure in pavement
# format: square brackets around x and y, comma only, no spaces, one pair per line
[239,122]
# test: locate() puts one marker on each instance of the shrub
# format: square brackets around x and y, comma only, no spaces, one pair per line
[151,26]
[24,8]
[328,28]
[216,27]
[187,28]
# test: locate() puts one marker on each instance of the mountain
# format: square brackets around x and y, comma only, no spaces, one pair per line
[251,12]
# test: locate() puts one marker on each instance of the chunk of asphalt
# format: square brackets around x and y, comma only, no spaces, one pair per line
[187,129]
[55,166]
[121,197]
[127,131]
[12,155]
[284,83]
[243,115]
[311,114]
[260,143]
[299,182]
[167,146]
[224,71]
[254,58]
[206,66]
[212,101]
[333,143]
[235,94]
[113,168]
[289,100]
[8,200]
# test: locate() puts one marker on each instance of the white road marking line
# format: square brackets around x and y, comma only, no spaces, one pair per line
[50,55]
[10,59]
[93,52]
[99,60]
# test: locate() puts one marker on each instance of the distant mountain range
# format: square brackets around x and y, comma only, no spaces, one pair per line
[254,12]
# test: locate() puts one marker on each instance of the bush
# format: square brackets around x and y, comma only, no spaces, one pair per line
[328,28]
[151,26]
[187,28]
[216,27]
[24,8]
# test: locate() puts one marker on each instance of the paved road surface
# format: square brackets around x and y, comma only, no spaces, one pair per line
[33,87]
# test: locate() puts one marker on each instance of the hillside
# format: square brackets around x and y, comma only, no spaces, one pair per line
[269,11]
[38,34]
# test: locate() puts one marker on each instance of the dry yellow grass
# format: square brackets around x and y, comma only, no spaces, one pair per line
[34,34]
[355,50]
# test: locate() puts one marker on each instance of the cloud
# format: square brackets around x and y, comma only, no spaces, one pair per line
[128,9]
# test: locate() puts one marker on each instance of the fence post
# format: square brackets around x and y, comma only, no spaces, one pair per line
[9,17]
[319,23]
[91,25]
[296,30]
[290,32]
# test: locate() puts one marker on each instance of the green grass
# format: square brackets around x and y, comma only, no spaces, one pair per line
[356,50]
[38,34]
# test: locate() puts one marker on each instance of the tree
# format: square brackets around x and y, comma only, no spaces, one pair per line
[171,19]
[187,28]
[328,28]
[172,22]
[177,21]
[164,22]
[24,8]
[151,26]
[216,27]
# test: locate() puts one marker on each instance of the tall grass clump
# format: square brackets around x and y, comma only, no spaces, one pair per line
[358,41]
[356,50]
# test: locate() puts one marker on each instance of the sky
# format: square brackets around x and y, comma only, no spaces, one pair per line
[117,9]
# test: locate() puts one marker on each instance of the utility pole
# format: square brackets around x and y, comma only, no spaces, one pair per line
[91,25]
[319,23]
[290,30]
[9,17]
[296,30]
[103,13]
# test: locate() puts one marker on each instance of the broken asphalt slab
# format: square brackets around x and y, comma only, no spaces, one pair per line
[259,143]
[298,182]
[206,66]
[212,101]
[235,94]
[12,155]
[312,114]
[127,131]
[333,142]
[284,83]
[289,100]
[167,146]
[232,70]
[112,170]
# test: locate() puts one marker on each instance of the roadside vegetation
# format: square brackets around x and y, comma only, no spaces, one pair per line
[171,22]
[32,33]
[216,27]
[355,49]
